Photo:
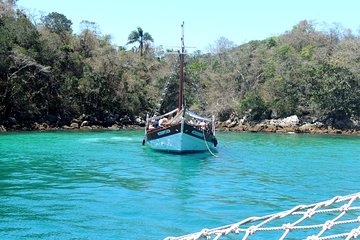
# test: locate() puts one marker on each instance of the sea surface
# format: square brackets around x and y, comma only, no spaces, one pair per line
[106,185]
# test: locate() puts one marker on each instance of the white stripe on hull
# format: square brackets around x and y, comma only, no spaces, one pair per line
[180,142]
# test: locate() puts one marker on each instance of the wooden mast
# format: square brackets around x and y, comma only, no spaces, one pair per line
[181,71]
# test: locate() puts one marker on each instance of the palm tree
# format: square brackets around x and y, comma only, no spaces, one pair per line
[140,37]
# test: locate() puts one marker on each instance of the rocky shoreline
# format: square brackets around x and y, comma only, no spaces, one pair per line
[83,123]
[290,124]
[293,124]
[72,127]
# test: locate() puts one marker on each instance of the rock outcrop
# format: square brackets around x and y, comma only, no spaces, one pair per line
[292,124]
[2,128]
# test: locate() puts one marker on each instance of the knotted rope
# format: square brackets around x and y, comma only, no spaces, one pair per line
[305,212]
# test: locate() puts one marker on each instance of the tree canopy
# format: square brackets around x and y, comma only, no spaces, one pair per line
[48,74]
[57,22]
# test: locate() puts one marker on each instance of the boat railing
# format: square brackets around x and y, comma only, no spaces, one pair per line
[156,122]
[162,116]
[167,120]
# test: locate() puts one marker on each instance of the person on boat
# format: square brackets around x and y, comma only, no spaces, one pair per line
[155,122]
[202,125]
[163,122]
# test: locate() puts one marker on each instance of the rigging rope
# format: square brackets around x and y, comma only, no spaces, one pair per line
[305,211]
[165,91]
[200,95]
[163,95]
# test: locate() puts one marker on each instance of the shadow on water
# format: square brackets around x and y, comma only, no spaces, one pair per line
[188,163]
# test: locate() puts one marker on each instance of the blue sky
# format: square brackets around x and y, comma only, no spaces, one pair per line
[205,20]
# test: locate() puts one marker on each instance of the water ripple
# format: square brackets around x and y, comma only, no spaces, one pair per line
[106,185]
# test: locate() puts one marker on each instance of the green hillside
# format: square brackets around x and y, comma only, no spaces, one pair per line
[49,74]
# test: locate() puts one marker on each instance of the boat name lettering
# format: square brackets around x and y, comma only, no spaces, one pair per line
[163,132]
[197,133]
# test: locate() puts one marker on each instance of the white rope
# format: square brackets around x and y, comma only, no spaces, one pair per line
[310,210]
[208,145]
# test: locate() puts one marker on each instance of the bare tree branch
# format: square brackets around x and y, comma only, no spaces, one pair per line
[23,61]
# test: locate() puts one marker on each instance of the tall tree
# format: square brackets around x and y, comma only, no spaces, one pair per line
[140,37]
[88,37]
[57,23]
[221,45]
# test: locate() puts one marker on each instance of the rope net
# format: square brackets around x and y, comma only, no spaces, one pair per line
[337,218]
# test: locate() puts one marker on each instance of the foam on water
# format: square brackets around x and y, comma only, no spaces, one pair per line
[112,140]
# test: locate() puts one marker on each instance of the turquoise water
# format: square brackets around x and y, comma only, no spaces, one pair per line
[106,185]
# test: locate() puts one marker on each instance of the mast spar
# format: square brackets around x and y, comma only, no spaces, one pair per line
[181,71]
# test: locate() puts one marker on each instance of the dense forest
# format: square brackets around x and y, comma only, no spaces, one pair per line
[48,74]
